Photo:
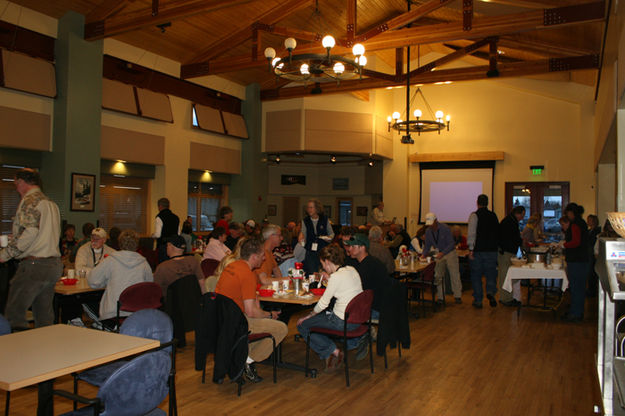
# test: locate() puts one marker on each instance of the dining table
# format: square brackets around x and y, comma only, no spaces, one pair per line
[529,272]
[40,355]
[292,299]
[73,296]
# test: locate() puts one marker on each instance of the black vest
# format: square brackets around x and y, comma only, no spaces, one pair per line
[486,237]
[170,224]
[581,253]
[312,233]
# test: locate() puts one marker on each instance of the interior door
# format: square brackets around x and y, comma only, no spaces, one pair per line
[344,211]
[291,209]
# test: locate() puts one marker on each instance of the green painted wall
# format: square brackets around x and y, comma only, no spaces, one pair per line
[77,112]
[251,185]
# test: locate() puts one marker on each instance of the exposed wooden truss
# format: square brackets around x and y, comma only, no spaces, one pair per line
[481,27]
[457,74]
[239,36]
[121,23]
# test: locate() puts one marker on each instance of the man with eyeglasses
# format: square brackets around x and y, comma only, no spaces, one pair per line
[90,255]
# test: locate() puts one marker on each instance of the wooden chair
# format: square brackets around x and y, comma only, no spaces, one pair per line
[425,282]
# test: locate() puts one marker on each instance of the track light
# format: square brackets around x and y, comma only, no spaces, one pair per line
[371,162]
[277,159]
[333,159]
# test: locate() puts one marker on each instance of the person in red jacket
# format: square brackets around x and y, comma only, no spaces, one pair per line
[577,255]
[225,217]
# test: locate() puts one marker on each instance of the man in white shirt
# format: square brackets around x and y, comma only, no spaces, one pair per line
[35,242]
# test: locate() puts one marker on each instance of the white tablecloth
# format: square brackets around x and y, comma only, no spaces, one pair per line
[524,273]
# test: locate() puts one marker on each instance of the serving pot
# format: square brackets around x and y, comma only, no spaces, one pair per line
[535,257]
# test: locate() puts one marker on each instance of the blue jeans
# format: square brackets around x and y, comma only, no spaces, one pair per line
[484,263]
[322,344]
[577,273]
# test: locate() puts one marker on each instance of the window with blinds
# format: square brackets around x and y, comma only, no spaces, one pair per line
[9,198]
[123,203]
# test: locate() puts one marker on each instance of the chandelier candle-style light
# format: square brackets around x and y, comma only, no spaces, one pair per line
[437,122]
[316,68]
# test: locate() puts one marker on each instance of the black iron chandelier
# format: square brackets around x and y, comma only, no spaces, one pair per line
[317,68]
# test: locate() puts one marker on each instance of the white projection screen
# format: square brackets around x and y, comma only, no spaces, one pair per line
[451,193]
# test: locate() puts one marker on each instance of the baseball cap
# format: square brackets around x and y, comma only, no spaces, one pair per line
[98,232]
[177,241]
[251,223]
[430,217]
[358,239]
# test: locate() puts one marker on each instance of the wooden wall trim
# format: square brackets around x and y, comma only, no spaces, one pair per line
[455,157]
[129,73]
[15,38]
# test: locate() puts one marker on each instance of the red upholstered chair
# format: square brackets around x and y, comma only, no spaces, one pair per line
[144,295]
[425,282]
[358,311]
[209,266]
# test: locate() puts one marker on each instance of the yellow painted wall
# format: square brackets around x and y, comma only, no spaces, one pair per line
[171,178]
[524,119]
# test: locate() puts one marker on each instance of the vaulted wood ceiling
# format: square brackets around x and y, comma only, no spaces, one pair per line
[560,39]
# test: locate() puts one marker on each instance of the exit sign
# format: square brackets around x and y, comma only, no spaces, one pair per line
[537,170]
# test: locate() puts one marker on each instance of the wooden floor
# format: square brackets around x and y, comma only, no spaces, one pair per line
[462,361]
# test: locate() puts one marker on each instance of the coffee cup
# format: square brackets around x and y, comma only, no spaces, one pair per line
[4,240]
[71,274]
[275,285]
[285,285]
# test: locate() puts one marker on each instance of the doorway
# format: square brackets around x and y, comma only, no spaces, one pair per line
[344,210]
[545,198]
[291,210]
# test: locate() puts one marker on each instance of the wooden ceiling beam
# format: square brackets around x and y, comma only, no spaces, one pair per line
[467,14]
[403,19]
[526,4]
[244,33]
[351,19]
[106,9]
[122,23]
[451,57]
[399,62]
[489,26]
[516,69]
[544,48]
[482,27]
[289,32]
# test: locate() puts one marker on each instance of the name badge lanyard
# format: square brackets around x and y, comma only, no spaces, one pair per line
[93,254]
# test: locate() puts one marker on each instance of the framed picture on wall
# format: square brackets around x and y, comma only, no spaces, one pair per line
[82,196]
[272,210]
[340,184]
[327,209]
[361,211]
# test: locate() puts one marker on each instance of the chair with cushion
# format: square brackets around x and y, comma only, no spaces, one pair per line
[146,323]
[183,305]
[136,388]
[209,266]
[358,311]
[425,282]
[222,330]
[5,328]
[144,295]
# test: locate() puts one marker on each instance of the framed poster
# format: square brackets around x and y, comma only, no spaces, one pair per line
[361,211]
[340,184]
[272,210]
[82,195]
